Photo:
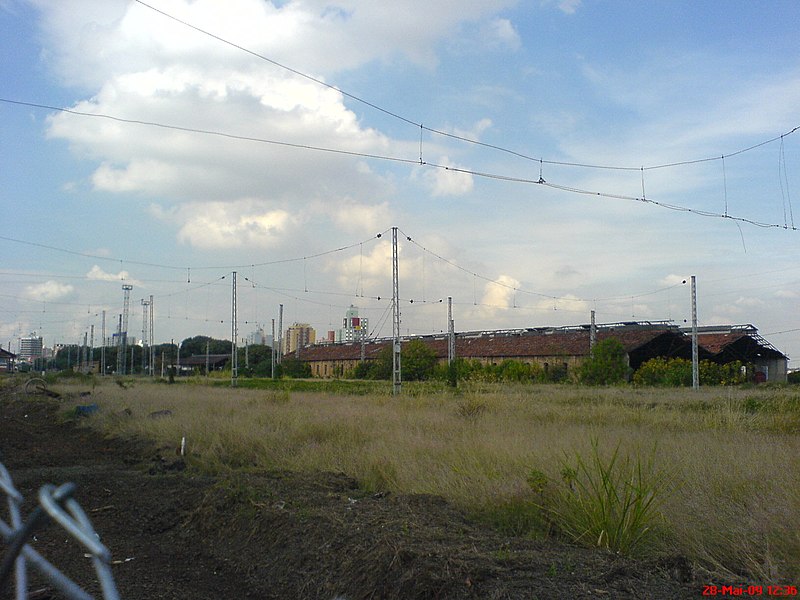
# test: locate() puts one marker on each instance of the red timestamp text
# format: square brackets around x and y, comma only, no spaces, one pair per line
[750,590]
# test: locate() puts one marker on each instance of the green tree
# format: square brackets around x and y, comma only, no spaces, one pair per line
[418,361]
[199,343]
[298,369]
[607,364]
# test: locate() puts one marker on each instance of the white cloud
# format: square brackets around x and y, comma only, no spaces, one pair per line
[368,271]
[500,34]
[357,217]
[787,294]
[233,225]
[97,274]
[49,291]
[442,181]
[569,7]
[475,132]
[502,293]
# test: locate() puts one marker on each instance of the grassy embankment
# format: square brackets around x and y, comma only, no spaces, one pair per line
[713,475]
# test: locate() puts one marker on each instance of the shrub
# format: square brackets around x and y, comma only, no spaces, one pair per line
[674,372]
[607,364]
[659,371]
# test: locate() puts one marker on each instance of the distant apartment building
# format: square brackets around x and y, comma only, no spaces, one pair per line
[299,335]
[30,348]
[259,338]
[354,328]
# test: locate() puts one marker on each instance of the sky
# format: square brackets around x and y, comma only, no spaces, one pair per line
[539,160]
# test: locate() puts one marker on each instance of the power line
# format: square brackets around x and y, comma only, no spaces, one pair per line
[517,289]
[122,261]
[422,127]
[465,171]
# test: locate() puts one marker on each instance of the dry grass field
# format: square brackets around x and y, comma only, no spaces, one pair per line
[712,475]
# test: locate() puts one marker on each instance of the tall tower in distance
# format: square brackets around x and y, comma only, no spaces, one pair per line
[354,328]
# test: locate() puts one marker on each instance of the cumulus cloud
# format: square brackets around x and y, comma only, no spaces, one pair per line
[367,272]
[502,293]
[136,64]
[98,274]
[146,67]
[233,225]
[49,291]
[446,182]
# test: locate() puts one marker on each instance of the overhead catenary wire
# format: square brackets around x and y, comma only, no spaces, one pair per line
[196,268]
[412,122]
[451,168]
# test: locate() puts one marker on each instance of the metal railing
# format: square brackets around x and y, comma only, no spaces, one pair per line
[56,504]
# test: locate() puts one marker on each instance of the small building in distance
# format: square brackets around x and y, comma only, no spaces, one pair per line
[204,363]
[7,360]
[30,348]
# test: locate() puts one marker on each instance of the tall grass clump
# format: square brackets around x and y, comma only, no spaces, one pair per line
[611,503]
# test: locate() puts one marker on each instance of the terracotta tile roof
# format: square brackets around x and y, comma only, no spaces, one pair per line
[717,342]
[501,345]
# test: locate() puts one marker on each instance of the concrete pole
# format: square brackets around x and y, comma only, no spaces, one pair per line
[695,361]
[451,332]
[234,335]
[273,348]
[280,333]
[396,368]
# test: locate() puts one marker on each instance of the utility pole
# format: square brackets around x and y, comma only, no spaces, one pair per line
[273,348]
[120,355]
[123,330]
[84,352]
[152,345]
[103,348]
[451,332]
[396,368]
[695,361]
[145,341]
[280,333]
[592,334]
[234,334]
[91,344]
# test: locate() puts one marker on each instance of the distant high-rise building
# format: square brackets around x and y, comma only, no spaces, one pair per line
[259,338]
[299,335]
[354,328]
[30,347]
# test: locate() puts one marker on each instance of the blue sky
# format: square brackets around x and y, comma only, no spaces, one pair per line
[90,203]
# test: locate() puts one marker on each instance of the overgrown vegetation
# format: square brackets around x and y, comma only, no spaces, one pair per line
[565,460]
[675,372]
[607,364]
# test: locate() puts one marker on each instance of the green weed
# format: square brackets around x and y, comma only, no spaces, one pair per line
[610,503]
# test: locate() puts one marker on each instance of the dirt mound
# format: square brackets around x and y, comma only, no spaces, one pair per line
[176,534]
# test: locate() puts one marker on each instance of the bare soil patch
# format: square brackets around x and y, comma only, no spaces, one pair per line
[283,535]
